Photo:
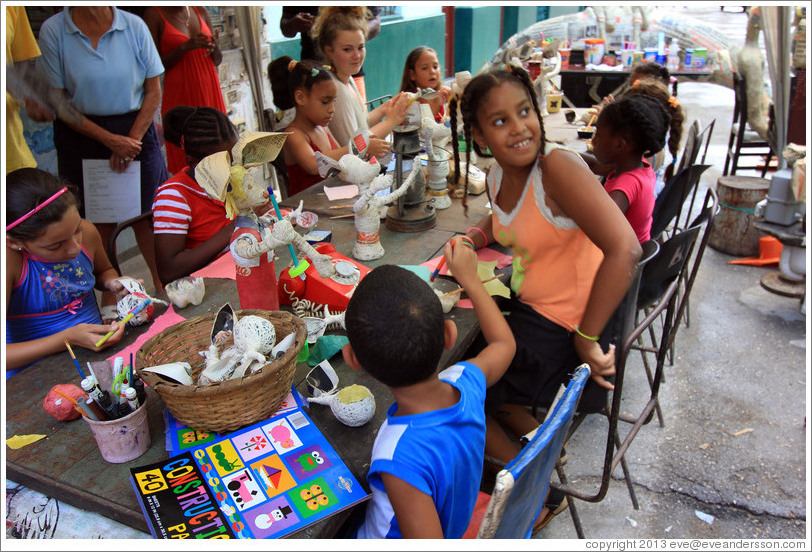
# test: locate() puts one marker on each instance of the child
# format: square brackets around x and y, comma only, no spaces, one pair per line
[191,229]
[653,88]
[574,254]
[341,33]
[54,259]
[422,70]
[627,130]
[427,458]
[311,89]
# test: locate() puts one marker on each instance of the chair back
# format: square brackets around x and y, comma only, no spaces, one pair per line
[690,150]
[521,487]
[112,249]
[669,204]
[702,223]
[666,266]
[375,102]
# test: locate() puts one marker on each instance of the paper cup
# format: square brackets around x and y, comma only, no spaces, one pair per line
[123,439]
[565,56]
[554,102]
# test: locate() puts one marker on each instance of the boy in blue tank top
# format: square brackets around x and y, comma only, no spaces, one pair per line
[428,456]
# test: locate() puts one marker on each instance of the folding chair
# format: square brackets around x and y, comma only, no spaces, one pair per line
[375,102]
[742,137]
[680,258]
[615,449]
[521,487]
[669,205]
[112,250]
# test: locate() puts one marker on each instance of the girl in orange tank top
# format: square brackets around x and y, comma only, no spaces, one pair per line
[574,253]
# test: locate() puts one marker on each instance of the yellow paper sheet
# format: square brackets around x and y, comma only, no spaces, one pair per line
[485,270]
[20,441]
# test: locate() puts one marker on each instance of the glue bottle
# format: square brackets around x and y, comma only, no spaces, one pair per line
[132,398]
[102,398]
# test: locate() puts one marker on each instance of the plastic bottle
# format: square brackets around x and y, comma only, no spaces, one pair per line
[132,398]
[672,63]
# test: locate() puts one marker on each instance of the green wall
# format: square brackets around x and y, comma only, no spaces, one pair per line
[476,36]
[517,18]
[386,53]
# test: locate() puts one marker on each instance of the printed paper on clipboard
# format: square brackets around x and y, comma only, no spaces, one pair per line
[111,197]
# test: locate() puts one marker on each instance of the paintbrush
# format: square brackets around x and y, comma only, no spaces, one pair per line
[589,124]
[76,362]
[340,207]
[460,290]
[75,404]
[123,322]
[348,215]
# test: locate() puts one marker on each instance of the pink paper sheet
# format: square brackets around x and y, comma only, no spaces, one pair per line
[485,255]
[169,318]
[222,267]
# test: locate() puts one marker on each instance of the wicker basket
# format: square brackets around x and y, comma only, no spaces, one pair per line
[231,404]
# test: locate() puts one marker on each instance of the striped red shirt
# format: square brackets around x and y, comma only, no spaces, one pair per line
[182,207]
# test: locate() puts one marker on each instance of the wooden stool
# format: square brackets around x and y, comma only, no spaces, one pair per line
[733,231]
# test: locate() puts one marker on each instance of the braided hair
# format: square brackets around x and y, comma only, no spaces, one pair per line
[196,130]
[287,76]
[475,93]
[641,120]
[654,89]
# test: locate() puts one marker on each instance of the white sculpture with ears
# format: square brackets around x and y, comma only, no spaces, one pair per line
[226,176]
[367,207]
[548,72]
[435,136]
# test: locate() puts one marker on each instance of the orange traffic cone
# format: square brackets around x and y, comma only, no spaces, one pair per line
[769,252]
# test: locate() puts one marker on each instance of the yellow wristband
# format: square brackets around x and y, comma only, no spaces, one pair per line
[589,337]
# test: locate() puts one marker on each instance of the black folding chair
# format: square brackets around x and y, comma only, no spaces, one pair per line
[615,450]
[669,205]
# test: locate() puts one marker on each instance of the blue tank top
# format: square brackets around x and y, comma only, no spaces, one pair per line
[50,297]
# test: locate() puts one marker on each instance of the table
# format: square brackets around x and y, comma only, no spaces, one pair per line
[67,464]
[584,87]
[558,130]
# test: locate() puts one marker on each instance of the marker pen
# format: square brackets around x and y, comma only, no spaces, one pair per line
[80,402]
[97,410]
[138,384]
[101,397]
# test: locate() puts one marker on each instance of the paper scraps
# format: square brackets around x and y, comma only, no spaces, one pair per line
[485,270]
[341,192]
[20,441]
[707,518]
[222,267]
[169,318]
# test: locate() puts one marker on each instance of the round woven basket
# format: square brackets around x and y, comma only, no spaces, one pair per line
[231,404]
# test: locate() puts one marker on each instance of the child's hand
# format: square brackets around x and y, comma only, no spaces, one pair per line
[397,107]
[87,335]
[378,147]
[602,364]
[445,93]
[462,261]
[118,288]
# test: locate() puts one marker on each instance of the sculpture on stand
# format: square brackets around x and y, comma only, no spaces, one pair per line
[368,206]
[435,137]
[550,70]
[226,176]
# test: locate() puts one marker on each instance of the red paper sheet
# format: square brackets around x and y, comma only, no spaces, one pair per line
[222,267]
[169,318]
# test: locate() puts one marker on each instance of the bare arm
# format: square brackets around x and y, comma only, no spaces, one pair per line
[84,335]
[415,510]
[214,46]
[291,25]
[495,358]
[574,191]
[298,151]
[175,261]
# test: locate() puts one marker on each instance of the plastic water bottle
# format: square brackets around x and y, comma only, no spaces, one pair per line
[672,62]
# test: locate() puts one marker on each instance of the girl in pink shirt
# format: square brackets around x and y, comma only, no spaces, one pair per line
[626,131]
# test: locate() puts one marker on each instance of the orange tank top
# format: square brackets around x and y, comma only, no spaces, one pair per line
[554,262]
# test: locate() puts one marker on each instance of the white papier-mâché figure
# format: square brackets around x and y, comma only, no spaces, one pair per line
[228,177]
[367,207]
[435,136]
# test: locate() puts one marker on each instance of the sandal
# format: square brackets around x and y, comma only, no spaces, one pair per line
[556,503]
